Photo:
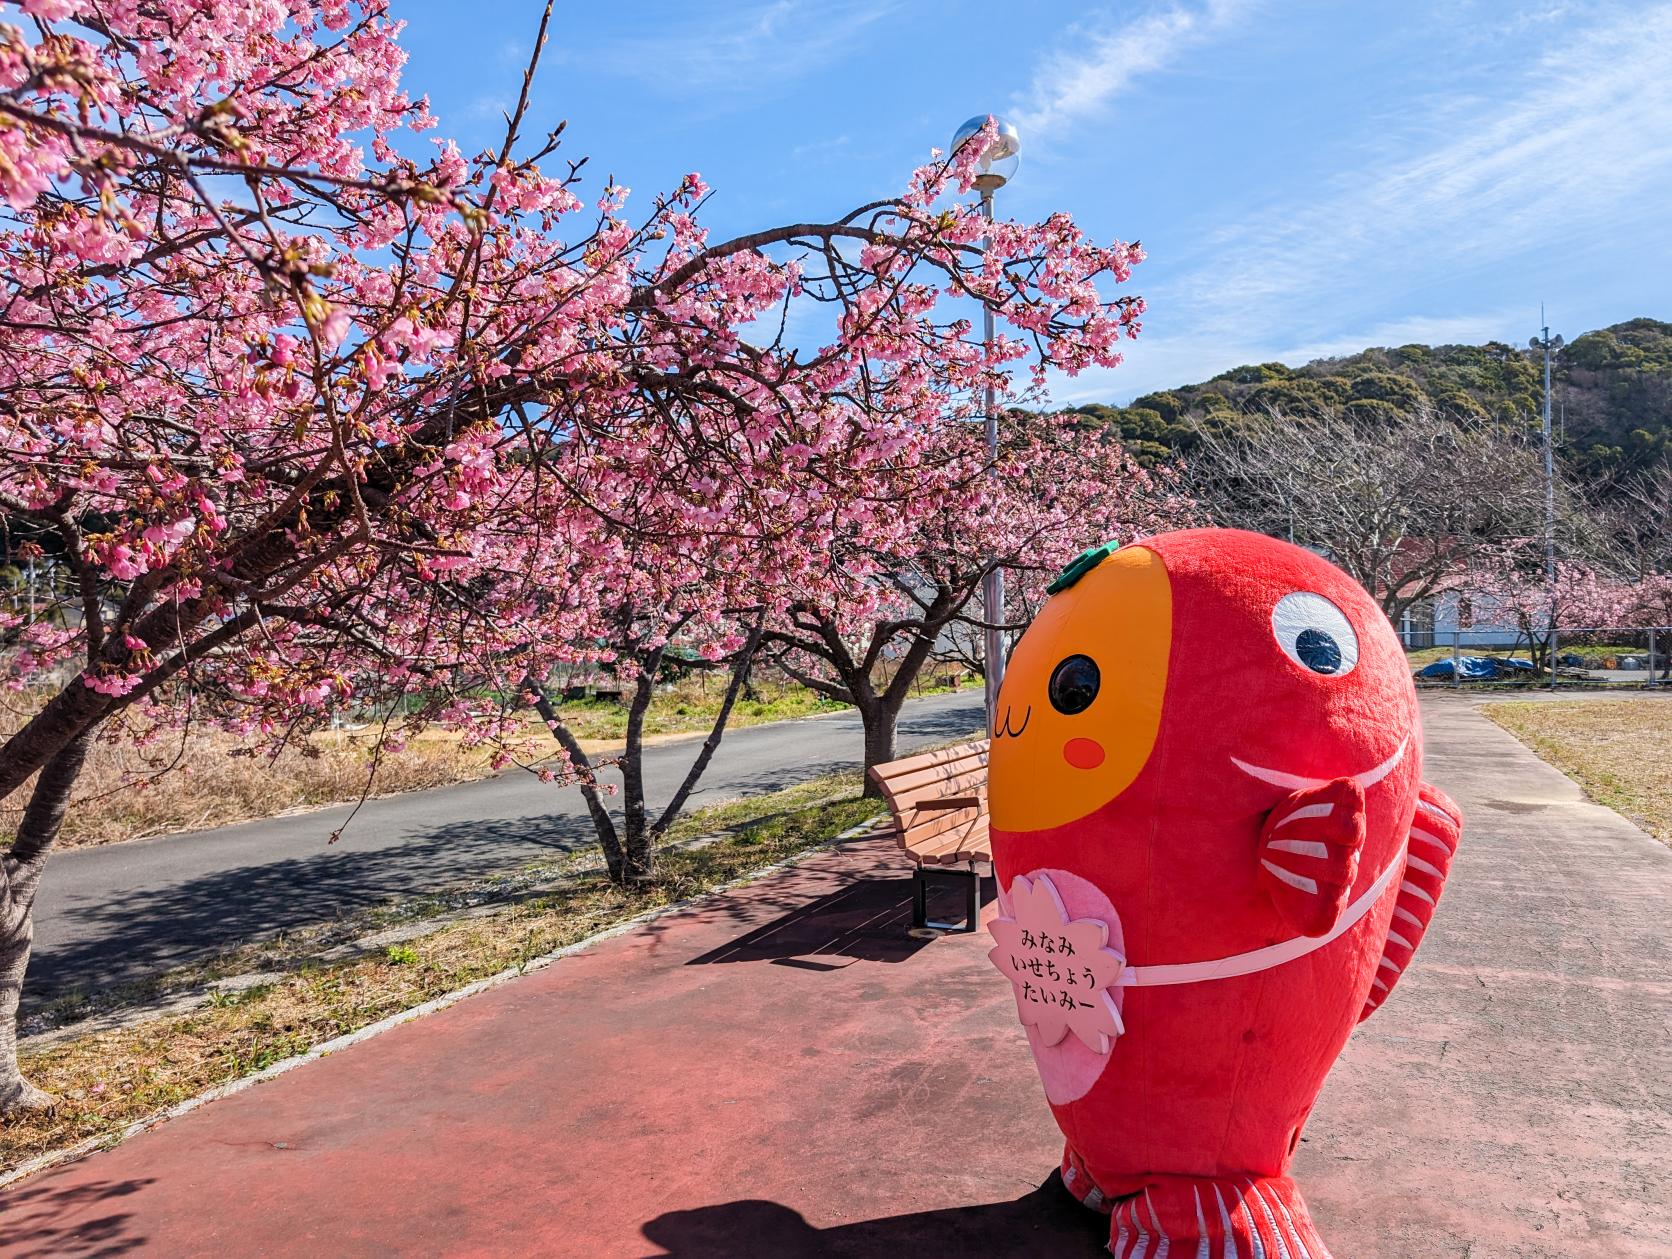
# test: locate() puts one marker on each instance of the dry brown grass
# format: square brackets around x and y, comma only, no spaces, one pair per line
[108,1080]
[217,783]
[1618,750]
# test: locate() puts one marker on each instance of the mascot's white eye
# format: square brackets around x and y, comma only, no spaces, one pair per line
[1314,633]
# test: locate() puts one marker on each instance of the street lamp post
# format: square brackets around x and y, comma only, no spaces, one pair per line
[1544,341]
[994,170]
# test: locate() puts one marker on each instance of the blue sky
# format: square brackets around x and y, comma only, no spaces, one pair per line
[1308,178]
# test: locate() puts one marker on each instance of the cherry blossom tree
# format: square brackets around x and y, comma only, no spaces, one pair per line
[316,413]
[1058,486]
[1582,597]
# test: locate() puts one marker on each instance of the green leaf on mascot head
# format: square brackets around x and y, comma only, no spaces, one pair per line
[1082,564]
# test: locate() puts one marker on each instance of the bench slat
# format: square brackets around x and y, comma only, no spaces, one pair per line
[972,843]
[886,773]
[952,847]
[936,778]
[943,824]
[949,802]
[938,756]
[964,785]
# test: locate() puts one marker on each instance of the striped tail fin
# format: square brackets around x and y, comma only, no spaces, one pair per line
[1435,831]
[1178,1217]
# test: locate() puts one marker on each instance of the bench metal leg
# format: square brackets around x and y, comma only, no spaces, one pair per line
[971,879]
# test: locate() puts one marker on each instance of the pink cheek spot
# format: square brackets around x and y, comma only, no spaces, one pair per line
[1083,753]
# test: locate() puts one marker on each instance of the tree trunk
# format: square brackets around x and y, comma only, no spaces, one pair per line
[741,669]
[602,826]
[20,878]
[636,840]
[16,1093]
[880,719]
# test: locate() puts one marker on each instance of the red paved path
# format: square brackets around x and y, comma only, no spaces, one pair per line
[780,1071]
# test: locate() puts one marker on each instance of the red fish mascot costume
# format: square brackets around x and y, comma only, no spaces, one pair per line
[1215,855]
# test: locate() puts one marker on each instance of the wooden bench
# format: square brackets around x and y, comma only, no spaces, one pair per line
[939,805]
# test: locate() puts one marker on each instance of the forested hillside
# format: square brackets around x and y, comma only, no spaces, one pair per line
[1613,394]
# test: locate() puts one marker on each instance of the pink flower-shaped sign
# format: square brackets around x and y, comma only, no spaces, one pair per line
[1062,968]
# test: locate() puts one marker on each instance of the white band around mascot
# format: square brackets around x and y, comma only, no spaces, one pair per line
[1268,957]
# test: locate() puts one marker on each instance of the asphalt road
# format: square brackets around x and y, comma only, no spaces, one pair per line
[122,911]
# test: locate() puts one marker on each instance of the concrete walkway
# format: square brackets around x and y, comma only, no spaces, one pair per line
[783,1071]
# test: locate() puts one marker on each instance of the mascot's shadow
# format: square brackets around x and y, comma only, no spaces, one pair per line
[1047,1221]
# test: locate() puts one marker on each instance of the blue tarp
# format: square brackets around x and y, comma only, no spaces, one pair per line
[1478,668]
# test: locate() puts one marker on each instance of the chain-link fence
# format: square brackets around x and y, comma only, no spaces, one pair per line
[1616,657]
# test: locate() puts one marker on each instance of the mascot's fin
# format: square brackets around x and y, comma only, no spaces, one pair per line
[1309,853]
[1435,830]
[1226,1217]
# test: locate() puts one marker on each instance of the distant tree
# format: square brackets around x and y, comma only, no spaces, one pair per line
[1461,405]
[1372,413]
[1296,396]
[1631,518]
[1401,508]
[1582,598]
[1166,405]
[1256,373]
[1400,392]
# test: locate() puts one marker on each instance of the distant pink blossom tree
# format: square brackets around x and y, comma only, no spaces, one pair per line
[313,421]
[1581,598]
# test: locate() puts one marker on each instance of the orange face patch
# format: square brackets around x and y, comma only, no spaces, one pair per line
[1084,691]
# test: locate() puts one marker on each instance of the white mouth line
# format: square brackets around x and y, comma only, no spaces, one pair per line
[1297,782]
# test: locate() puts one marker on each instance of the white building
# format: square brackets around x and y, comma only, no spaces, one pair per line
[1457,614]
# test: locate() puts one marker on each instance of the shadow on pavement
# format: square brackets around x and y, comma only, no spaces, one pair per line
[42,1220]
[1047,1221]
[759,783]
[151,931]
[937,727]
[869,920]
[864,921]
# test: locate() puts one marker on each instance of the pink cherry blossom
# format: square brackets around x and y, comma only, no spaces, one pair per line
[384,432]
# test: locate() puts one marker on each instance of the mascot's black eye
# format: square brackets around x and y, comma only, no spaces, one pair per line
[1074,685]
[1318,651]
[1315,634]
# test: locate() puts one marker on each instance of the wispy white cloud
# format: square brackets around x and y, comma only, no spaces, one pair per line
[712,52]
[815,151]
[1574,152]
[1101,57]
[1580,143]
[1468,329]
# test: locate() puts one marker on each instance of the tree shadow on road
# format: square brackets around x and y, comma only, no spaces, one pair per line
[1047,1221]
[41,1219]
[122,941]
